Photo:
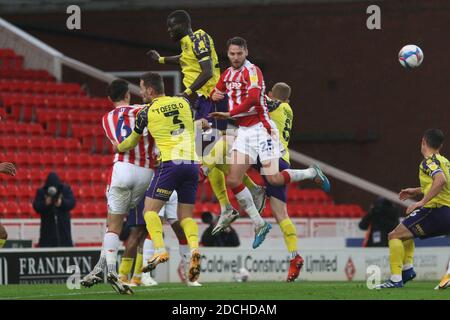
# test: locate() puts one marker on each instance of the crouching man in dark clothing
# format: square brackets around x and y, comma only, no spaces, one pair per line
[53,202]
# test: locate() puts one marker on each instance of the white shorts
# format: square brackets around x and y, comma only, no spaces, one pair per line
[256,142]
[169,211]
[128,185]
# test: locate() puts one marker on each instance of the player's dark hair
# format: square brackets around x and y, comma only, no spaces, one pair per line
[180,16]
[237,41]
[153,80]
[434,138]
[117,90]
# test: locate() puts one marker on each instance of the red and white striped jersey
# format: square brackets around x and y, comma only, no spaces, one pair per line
[118,125]
[237,83]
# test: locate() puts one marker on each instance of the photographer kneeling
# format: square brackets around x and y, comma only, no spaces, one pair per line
[53,202]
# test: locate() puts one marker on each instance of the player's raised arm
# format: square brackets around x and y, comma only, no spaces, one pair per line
[155,56]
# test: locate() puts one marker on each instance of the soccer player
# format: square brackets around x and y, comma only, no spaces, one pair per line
[169,120]
[9,169]
[429,217]
[281,114]
[257,137]
[131,175]
[199,65]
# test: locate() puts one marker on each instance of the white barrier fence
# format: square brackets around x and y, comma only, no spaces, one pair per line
[321,264]
[31,266]
[90,231]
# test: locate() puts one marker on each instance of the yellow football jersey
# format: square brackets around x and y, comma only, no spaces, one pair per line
[282,115]
[216,157]
[427,169]
[170,122]
[195,48]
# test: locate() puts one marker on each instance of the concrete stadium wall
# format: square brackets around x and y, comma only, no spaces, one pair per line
[355,107]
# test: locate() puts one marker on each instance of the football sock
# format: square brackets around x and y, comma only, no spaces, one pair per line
[138,266]
[155,230]
[249,183]
[448,270]
[289,234]
[125,266]
[295,175]
[2,243]
[111,244]
[408,259]
[190,229]
[245,200]
[217,181]
[397,253]
[101,262]
[184,252]
[148,251]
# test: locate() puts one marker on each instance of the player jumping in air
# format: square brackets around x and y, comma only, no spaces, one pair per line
[200,68]
[281,113]
[257,137]
[199,65]
[169,121]
[429,217]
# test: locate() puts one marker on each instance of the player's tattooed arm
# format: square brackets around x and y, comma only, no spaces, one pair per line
[154,56]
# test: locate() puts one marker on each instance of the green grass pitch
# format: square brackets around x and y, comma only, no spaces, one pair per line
[418,290]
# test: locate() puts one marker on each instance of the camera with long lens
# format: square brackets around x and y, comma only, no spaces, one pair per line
[53,193]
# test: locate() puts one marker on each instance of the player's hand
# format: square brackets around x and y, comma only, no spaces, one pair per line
[414,206]
[203,123]
[8,168]
[217,96]
[407,193]
[153,54]
[220,115]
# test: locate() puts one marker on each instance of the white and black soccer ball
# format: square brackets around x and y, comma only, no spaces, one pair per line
[410,56]
[243,275]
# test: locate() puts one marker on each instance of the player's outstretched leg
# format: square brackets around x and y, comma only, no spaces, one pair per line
[295,175]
